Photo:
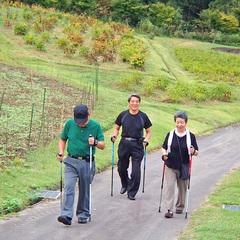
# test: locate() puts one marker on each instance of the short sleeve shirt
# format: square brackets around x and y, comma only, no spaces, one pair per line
[132,125]
[77,137]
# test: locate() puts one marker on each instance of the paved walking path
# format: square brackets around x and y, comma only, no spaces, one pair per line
[115,218]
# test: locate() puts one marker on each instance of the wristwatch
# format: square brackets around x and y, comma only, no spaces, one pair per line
[95,142]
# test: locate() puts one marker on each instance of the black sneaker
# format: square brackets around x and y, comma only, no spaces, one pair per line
[82,220]
[131,198]
[65,220]
[123,190]
[169,214]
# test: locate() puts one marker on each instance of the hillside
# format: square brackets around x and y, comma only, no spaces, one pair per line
[39,89]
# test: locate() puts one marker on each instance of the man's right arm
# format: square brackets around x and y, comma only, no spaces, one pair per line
[115,133]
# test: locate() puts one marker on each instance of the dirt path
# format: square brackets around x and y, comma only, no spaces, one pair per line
[117,217]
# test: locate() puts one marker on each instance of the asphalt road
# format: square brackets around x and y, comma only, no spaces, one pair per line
[115,218]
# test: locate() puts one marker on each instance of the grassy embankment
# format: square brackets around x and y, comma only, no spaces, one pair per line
[41,170]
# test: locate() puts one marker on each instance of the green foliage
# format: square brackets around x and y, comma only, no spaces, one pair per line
[20,29]
[177,90]
[86,6]
[229,23]
[45,36]
[10,205]
[40,44]
[83,51]
[62,42]
[27,14]
[160,14]
[147,26]
[210,65]
[128,11]
[29,39]
[222,92]
[134,52]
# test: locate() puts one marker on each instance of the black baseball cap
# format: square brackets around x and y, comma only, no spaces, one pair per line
[81,114]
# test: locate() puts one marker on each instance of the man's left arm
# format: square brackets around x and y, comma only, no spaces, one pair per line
[148,136]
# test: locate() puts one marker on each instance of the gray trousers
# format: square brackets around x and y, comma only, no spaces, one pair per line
[77,169]
[172,177]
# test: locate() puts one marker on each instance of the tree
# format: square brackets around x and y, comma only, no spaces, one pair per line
[190,8]
[216,20]
[83,6]
[103,9]
[160,15]
[129,11]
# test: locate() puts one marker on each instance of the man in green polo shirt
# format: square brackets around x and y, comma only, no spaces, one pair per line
[77,132]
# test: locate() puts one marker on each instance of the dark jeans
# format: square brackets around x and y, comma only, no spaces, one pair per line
[127,149]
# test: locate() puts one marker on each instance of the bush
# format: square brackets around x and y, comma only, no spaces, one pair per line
[83,51]
[11,205]
[222,92]
[45,36]
[29,39]
[199,93]
[177,91]
[40,45]
[62,42]
[20,29]
[149,86]
[27,14]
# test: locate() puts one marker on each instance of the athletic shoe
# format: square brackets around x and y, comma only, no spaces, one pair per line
[123,190]
[169,214]
[179,211]
[131,198]
[82,220]
[65,220]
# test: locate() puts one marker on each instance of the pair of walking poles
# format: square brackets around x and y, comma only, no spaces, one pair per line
[144,168]
[188,190]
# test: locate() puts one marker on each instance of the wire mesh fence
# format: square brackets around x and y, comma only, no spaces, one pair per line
[35,105]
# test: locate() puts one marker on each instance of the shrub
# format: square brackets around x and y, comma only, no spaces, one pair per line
[148,86]
[137,60]
[20,29]
[125,81]
[45,36]
[40,45]
[134,52]
[11,205]
[199,93]
[75,38]
[161,82]
[29,39]
[62,42]
[177,91]
[222,92]
[27,14]
[69,50]
[83,51]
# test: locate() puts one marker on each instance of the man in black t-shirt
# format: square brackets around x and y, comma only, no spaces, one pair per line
[133,121]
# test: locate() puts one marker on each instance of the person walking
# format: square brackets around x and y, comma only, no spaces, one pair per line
[179,144]
[132,121]
[81,132]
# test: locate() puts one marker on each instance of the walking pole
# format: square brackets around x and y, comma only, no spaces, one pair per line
[90,184]
[145,153]
[159,210]
[61,184]
[112,169]
[190,169]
